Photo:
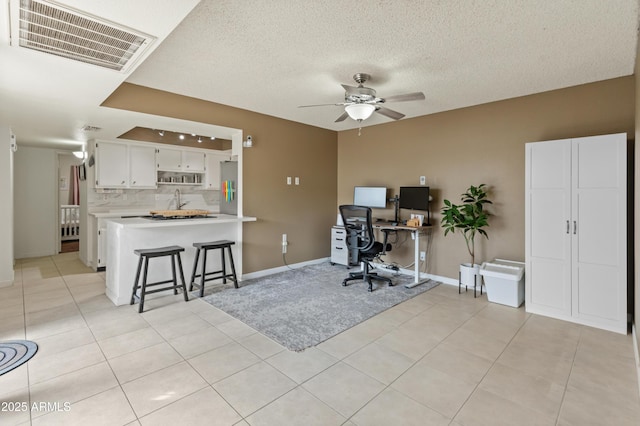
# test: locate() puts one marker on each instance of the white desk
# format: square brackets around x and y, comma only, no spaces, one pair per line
[421,230]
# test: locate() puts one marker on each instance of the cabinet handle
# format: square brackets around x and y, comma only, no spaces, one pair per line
[568,226]
[339,239]
[575,227]
[338,248]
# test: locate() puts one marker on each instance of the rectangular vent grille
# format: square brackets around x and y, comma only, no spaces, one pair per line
[52,29]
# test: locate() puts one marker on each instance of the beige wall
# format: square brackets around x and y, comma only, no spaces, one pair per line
[636,314]
[481,144]
[281,148]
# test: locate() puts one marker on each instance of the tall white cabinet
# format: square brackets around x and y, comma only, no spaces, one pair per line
[576,230]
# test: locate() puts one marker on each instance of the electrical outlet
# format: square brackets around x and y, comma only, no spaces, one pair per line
[284,243]
[288,180]
[297,180]
[423,255]
[423,180]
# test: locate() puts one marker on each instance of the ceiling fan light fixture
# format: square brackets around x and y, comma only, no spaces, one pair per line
[360,112]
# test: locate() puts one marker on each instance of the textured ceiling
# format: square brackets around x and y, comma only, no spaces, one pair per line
[272,56]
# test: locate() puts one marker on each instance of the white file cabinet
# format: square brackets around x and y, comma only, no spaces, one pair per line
[339,251]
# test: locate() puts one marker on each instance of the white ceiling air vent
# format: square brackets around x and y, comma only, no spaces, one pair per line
[53,29]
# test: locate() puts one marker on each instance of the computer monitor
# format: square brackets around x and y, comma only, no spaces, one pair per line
[370,196]
[414,198]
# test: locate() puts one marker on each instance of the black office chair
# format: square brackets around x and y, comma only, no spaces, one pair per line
[361,242]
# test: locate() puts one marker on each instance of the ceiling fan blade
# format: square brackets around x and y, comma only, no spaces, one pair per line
[349,88]
[307,106]
[389,113]
[416,96]
[342,117]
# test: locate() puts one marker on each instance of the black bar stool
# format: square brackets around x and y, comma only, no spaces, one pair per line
[213,275]
[146,254]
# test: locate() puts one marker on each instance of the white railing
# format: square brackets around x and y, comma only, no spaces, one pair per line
[69,222]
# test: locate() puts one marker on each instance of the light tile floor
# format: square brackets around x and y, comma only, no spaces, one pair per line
[439,358]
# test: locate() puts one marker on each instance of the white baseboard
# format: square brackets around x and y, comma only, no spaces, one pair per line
[404,271]
[271,271]
[634,334]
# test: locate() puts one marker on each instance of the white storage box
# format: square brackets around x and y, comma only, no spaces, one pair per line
[504,281]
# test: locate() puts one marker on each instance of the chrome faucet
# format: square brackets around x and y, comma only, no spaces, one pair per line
[179,205]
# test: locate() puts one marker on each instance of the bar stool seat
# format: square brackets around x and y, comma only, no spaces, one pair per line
[212,275]
[146,254]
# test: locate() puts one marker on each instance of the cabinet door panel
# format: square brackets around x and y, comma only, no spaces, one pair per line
[597,160]
[213,170]
[193,161]
[112,167]
[551,292]
[550,238]
[596,227]
[169,159]
[598,295]
[142,171]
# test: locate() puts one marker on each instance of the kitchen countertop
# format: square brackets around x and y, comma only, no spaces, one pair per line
[141,222]
[120,213]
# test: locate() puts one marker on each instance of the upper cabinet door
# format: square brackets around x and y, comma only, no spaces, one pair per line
[142,169]
[193,161]
[213,169]
[169,159]
[112,165]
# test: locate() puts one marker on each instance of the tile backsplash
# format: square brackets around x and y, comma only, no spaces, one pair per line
[162,198]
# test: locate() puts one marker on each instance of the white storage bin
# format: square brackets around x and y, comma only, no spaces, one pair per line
[504,281]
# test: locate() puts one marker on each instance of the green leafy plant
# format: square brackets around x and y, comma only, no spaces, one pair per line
[469,218]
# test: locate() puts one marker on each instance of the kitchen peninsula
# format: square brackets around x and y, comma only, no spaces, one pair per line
[124,235]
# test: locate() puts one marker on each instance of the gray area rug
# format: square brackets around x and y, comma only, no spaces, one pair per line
[303,307]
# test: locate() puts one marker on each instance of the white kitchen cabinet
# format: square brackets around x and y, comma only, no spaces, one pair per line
[111,165]
[576,230]
[212,177]
[125,165]
[178,160]
[193,161]
[142,166]
[169,159]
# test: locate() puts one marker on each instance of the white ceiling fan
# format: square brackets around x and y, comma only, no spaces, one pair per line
[360,102]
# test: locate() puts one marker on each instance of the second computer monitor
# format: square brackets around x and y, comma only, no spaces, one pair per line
[370,196]
[414,198]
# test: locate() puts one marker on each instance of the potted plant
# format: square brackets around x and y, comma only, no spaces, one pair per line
[470,218]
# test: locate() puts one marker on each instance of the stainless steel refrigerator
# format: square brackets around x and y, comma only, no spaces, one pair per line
[229,187]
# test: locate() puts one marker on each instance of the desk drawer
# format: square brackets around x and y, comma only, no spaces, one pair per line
[339,251]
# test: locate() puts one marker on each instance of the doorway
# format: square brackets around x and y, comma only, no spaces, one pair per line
[68,212]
